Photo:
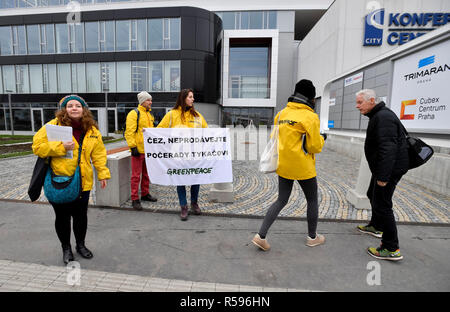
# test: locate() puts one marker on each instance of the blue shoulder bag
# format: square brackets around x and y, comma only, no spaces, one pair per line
[63,189]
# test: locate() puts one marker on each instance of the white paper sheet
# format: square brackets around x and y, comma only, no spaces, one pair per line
[60,133]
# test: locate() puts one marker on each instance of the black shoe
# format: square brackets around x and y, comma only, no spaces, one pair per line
[149,197]
[137,205]
[67,254]
[83,251]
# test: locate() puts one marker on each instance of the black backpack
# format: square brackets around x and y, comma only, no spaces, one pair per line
[137,122]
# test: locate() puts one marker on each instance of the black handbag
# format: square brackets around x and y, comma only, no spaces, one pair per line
[418,151]
[37,179]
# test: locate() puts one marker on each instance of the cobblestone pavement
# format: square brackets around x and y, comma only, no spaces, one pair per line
[255,192]
[31,277]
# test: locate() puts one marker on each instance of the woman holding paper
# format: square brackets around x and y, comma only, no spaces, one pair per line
[73,112]
[184,115]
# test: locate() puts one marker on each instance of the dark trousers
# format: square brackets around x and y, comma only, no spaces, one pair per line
[382,214]
[77,210]
[309,188]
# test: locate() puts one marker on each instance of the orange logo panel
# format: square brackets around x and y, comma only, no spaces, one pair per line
[404,116]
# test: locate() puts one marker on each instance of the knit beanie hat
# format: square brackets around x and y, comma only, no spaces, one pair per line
[63,102]
[306,88]
[143,96]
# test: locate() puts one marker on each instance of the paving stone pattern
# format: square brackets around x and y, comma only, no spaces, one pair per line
[255,192]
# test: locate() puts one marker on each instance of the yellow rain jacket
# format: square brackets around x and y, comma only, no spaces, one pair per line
[136,138]
[295,121]
[173,120]
[92,149]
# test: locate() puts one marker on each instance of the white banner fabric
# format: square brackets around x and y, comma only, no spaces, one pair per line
[188,156]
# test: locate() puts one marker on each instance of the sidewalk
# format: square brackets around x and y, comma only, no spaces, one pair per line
[150,250]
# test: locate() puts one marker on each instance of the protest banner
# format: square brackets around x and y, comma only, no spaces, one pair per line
[188,156]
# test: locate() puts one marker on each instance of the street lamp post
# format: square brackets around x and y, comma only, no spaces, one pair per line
[10,112]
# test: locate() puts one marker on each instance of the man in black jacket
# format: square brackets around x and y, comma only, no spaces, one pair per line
[386,152]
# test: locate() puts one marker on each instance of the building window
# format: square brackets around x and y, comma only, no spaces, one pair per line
[22,79]
[64,78]
[19,41]
[92,38]
[164,34]
[34,41]
[36,80]
[76,38]
[107,35]
[139,80]
[243,116]
[22,119]
[93,77]
[49,38]
[2,119]
[155,71]
[50,78]
[256,20]
[138,35]
[79,78]
[6,47]
[249,72]
[249,20]
[123,35]
[9,78]
[123,76]
[108,77]
[172,76]
[62,38]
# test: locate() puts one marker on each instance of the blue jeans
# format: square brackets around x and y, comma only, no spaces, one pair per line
[181,190]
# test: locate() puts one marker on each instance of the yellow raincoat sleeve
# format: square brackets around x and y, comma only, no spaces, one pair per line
[165,122]
[204,124]
[314,141]
[130,130]
[99,160]
[44,148]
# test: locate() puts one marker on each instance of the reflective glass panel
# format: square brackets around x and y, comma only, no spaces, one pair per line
[62,40]
[22,80]
[272,20]
[108,77]
[9,78]
[50,38]
[50,78]
[77,37]
[155,34]
[171,76]
[34,43]
[123,36]
[256,20]
[78,78]
[228,21]
[92,38]
[175,33]
[22,119]
[139,80]
[248,72]
[141,35]
[19,41]
[123,76]
[2,119]
[93,77]
[155,71]
[6,47]
[64,78]
[36,80]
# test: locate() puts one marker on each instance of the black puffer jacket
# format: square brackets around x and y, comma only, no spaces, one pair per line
[385,147]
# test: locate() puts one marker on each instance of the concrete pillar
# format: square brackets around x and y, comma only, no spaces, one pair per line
[222,193]
[118,189]
[357,197]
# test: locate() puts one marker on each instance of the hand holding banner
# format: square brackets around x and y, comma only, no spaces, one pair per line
[188,156]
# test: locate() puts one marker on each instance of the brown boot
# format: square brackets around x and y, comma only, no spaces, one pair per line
[184,213]
[195,209]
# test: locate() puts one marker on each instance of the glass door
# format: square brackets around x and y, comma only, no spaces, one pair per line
[37,118]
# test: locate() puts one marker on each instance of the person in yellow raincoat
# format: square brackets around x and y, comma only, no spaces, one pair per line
[74,113]
[299,139]
[135,140]
[184,115]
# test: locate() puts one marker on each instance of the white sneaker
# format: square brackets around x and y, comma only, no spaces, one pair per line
[319,240]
